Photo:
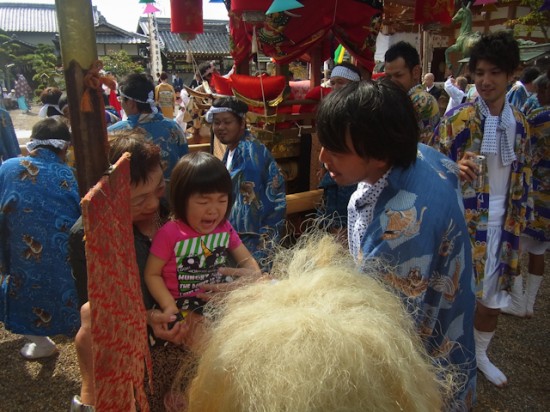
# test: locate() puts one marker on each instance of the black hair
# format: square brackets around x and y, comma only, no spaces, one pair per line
[202,173]
[50,128]
[138,86]
[542,83]
[145,154]
[232,103]
[529,75]
[499,48]
[379,118]
[63,101]
[404,50]
[203,68]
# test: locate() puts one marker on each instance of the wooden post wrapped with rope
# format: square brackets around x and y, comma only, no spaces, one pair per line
[84,91]
[119,347]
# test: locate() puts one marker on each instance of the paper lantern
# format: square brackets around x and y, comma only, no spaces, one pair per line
[239,6]
[283,5]
[186,18]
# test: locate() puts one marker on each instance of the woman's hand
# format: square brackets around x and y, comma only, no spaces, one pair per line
[468,168]
[158,321]
[241,276]
[187,332]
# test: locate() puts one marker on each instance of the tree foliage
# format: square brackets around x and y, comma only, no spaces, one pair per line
[39,64]
[44,65]
[9,51]
[535,19]
[120,64]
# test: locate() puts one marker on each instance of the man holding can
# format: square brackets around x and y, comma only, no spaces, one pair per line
[489,140]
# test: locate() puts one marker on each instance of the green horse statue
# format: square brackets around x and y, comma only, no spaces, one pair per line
[466,38]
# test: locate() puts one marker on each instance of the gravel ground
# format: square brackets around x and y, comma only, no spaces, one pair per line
[520,348]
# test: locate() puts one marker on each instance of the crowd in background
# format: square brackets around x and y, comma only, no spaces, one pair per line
[435,206]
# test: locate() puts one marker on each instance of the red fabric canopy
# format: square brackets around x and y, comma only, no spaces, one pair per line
[430,11]
[288,35]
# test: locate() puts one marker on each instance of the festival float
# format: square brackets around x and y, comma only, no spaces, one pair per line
[286,32]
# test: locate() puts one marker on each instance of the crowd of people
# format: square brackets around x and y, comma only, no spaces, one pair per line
[437,210]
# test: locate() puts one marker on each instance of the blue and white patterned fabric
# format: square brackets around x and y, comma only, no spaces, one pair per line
[259,207]
[39,202]
[517,95]
[418,230]
[539,122]
[165,133]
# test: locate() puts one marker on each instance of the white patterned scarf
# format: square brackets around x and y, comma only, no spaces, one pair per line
[360,211]
[502,127]
[55,143]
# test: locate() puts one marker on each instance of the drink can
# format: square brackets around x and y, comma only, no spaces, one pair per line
[479,181]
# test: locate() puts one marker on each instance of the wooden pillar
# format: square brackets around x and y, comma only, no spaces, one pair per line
[316,64]
[244,67]
[79,53]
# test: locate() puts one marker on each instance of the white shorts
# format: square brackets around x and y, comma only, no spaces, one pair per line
[533,246]
[493,296]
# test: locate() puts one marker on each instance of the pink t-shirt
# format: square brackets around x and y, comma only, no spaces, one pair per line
[192,259]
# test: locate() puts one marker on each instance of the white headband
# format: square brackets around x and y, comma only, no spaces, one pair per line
[150,100]
[209,116]
[344,72]
[56,143]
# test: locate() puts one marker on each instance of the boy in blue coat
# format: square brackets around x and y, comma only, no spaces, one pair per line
[406,215]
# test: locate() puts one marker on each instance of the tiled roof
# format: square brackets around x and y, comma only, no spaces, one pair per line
[22,43]
[42,18]
[106,33]
[213,42]
[28,17]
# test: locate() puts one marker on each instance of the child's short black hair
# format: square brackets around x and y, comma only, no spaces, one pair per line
[201,173]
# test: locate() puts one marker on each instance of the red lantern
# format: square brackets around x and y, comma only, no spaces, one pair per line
[186,18]
[239,6]
[252,11]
